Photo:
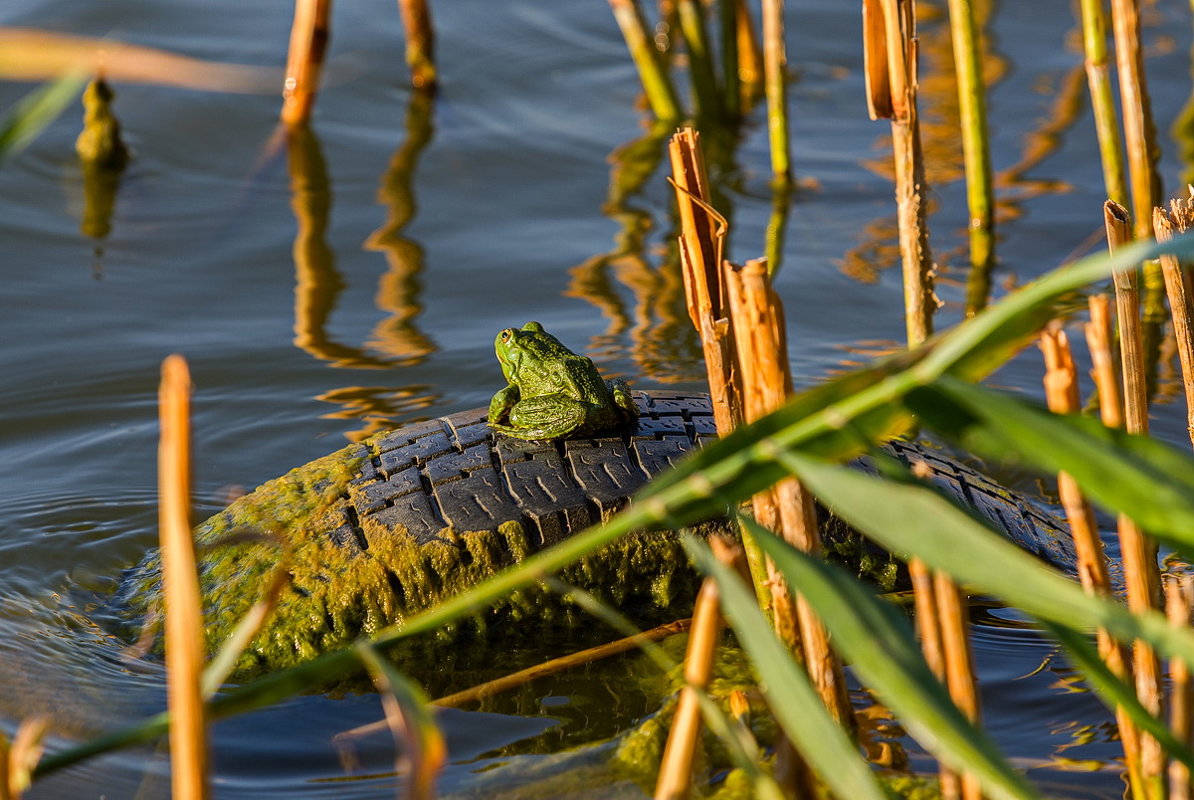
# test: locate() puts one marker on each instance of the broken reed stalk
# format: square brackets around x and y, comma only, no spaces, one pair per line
[775,71]
[1178,219]
[675,769]
[787,508]
[420,42]
[701,238]
[657,84]
[890,54]
[691,14]
[1138,551]
[1179,600]
[184,618]
[976,151]
[1094,44]
[18,758]
[304,62]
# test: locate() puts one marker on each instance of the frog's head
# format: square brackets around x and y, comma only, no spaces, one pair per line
[514,344]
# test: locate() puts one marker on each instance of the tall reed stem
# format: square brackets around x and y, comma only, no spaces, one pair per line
[420,42]
[775,70]
[308,44]
[890,53]
[661,94]
[976,150]
[959,664]
[1140,134]
[184,618]
[1094,43]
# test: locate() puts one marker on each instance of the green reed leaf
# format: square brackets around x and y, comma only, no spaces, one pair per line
[35,111]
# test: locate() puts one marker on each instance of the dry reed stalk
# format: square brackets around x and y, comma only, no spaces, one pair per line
[691,14]
[184,617]
[420,42]
[1178,219]
[1139,553]
[18,758]
[775,72]
[1100,336]
[308,44]
[976,150]
[1094,43]
[959,667]
[675,769]
[759,333]
[661,94]
[890,53]
[701,237]
[1140,134]
[928,628]
[1179,600]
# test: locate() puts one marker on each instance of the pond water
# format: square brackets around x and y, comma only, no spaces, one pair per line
[356,283]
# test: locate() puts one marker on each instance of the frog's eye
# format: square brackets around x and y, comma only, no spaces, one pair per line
[506,335]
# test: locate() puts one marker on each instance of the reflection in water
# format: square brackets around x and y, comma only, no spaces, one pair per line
[398,289]
[663,341]
[395,341]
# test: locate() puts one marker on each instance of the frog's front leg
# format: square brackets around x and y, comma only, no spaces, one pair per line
[547,417]
[502,402]
[620,391]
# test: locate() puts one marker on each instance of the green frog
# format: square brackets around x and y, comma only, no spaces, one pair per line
[552,392]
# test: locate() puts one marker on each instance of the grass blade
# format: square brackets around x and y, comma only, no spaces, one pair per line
[35,111]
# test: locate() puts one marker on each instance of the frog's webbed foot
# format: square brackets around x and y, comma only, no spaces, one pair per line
[502,402]
[547,417]
[623,399]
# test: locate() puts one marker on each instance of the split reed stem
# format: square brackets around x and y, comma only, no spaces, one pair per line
[184,618]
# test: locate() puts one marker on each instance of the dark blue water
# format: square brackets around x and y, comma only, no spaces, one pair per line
[427,231]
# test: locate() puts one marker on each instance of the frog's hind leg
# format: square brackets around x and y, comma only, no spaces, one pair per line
[547,417]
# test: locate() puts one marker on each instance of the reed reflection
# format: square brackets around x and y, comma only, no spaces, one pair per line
[396,340]
[663,344]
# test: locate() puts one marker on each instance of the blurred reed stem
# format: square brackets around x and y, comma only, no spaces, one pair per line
[928,629]
[180,584]
[976,150]
[691,16]
[728,11]
[1094,43]
[890,55]
[675,769]
[775,75]
[308,44]
[1179,601]
[1179,218]
[661,94]
[750,55]
[420,42]
[959,664]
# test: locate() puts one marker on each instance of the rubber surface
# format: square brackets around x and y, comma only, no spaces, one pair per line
[453,472]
